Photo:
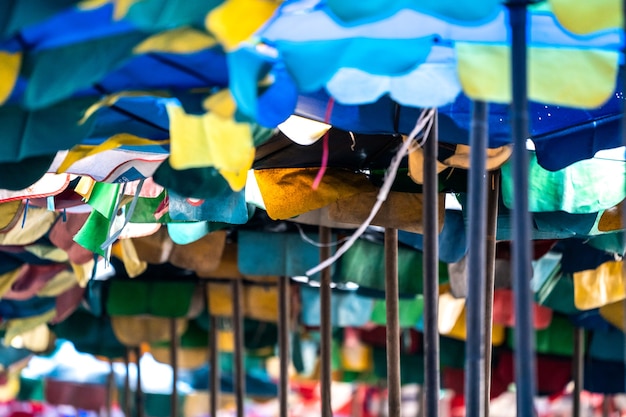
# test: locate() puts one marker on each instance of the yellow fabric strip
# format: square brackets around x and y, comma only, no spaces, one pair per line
[17,327]
[38,222]
[135,330]
[235,21]
[61,282]
[50,253]
[287,192]
[124,249]
[84,187]
[597,287]
[7,279]
[10,63]
[587,16]
[211,140]
[614,314]
[181,40]
[83,272]
[36,339]
[559,76]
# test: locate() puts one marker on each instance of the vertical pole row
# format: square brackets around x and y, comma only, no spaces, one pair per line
[174,363]
[578,370]
[492,226]
[522,268]
[393,322]
[240,388]
[431,274]
[283,344]
[325,325]
[476,285]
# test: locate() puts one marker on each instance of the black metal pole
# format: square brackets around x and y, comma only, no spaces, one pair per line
[578,370]
[431,274]
[394,403]
[521,262]
[283,344]
[110,387]
[492,225]
[214,371]
[127,399]
[214,376]
[174,363]
[476,285]
[138,389]
[240,388]
[325,325]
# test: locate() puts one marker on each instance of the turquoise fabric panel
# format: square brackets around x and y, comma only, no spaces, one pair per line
[266,253]
[587,186]
[347,308]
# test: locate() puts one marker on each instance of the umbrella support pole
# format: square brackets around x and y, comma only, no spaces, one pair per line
[174,363]
[431,274]
[127,399]
[110,387]
[606,405]
[521,252]
[138,389]
[240,388]
[393,322]
[493,192]
[476,271]
[578,370]
[325,325]
[214,371]
[283,344]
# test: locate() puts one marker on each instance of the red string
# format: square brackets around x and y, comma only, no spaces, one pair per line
[325,151]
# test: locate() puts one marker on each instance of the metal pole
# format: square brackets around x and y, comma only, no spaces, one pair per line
[393,322]
[606,405]
[431,274]
[476,285]
[492,225]
[325,325]
[622,84]
[283,344]
[214,382]
[214,371]
[240,388]
[174,363]
[521,263]
[578,369]
[110,386]
[127,399]
[138,389]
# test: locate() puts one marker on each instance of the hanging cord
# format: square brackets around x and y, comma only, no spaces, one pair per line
[325,150]
[319,245]
[424,123]
[131,210]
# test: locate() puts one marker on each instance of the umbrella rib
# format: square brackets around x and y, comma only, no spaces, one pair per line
[199,76]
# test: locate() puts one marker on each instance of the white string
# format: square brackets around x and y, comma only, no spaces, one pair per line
[424,121]
[318,244]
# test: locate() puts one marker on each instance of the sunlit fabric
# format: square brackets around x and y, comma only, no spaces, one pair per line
[586,186]
[316,46]
[468,11]
[586,16]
